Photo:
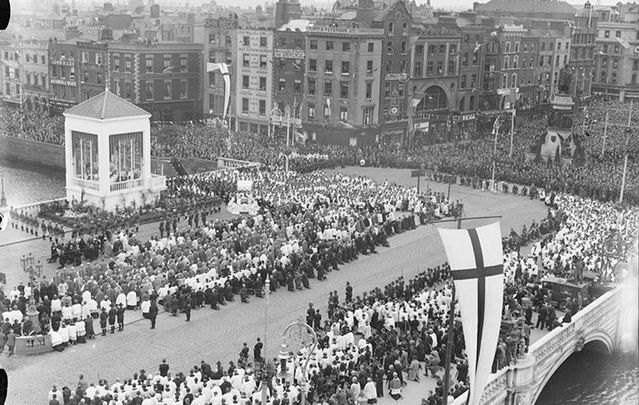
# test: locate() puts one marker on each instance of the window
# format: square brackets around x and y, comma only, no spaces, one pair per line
[400,89]
[464,61]
[313,44]
[618,34]
[419,49]
[557,60]
[507,47]
[369,67]
[127,63]
[262,83]
[149,90]
[246,41]
[343,113]
[328,89]
[211,79]
[167,61]
[85,80]
[167,90]
[328,66]
[389,66]
[369,90]
[613,78]
[565,59]
[229,58]
[418,69]
[390,28]
[473,80]
[183,63]
[43,59]
[346,68]
[451,67]
[116,62]
[245,105]
[71,74]
[329,45]
[403,47]
[387,89]
[462,82]
[343,90]
[281,84]
[245,60]
[149,64]
[440,67]
[297,86]
[346,46]
[327,112]
[263,42]
[311,87]
[84,55]
[506,62]
[429,68]
[371,46]
[262,107]
[432,49]
[515,62]
[368,115]
[263,61]
[282,64]
[312,65]
[453,49]
[442,49]
[389,47]
[616,49]
[543,46]
[245,82]
[551,44]
[211,38]
[514,80]
[311,111]
[634,79]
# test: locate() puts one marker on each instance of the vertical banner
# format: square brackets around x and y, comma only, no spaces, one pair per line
[476,261]
[224,70]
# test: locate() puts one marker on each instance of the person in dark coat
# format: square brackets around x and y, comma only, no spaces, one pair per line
[113,314]
[153,313]
[88,327]
[103,321]
[120,315]
[11,342]
[187,310]
[164,368]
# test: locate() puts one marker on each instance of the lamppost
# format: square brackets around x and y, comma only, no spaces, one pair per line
[296,336]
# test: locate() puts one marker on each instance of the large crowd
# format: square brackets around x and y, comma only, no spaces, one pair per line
[32,125]
[373,344]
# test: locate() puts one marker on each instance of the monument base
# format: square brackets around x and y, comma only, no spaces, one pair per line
[124,197]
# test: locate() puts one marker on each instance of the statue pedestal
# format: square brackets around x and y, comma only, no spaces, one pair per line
[33,316]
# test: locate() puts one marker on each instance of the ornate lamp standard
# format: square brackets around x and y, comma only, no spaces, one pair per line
[296,336]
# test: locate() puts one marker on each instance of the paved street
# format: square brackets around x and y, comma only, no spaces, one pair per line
[218,335]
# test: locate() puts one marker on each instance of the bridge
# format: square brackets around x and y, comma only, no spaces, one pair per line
[595,327]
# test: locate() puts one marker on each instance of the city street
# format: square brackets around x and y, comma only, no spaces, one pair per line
[218,335]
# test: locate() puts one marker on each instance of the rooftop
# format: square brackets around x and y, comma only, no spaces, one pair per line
[527,7]
[105,106]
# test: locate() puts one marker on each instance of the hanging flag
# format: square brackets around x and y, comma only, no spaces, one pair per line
[328,104]
[623,42]
[476,261]
[477,46]
[414,102]
[496,125]
[224,70]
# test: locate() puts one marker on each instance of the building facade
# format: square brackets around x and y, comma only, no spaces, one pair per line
[617,54]
[35,76]
[288,79]
[342,85]
[92,68]
[395,64]
[63,78]
[582,50]
[10,76]
[253,80]
[164,79]
[434,95]
[219,40]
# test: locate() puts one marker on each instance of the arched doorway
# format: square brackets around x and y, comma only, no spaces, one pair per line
[431,116]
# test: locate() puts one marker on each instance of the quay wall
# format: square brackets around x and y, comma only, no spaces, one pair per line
[32,152]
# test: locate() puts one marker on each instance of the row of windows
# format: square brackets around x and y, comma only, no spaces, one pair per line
[330,45]
[435,49]
[606,34]
[263,41]
[297,86]
[435,68]
[246,61]
[328,66]
[344,88]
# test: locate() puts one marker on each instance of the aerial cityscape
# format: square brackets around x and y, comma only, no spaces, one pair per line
[300,202]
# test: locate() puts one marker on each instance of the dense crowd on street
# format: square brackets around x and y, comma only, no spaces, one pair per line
[306,227]
[370,345]
[32,125]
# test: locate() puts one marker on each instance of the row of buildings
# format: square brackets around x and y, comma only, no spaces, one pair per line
[367,72]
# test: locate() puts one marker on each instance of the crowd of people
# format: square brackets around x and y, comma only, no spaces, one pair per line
[32,125]
[306,227]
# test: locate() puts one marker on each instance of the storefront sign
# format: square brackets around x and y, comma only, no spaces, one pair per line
[396,76]
[423,126]
[288,53]
[346,30]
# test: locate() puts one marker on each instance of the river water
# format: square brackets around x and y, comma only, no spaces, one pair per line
[585,378]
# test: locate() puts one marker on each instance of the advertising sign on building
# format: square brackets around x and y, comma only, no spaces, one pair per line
[288,53]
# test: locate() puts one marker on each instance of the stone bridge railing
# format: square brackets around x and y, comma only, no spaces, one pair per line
[523,382]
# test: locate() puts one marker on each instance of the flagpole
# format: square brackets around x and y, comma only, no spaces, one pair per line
[451,324]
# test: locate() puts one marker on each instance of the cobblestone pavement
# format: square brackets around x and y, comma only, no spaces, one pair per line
[218,335]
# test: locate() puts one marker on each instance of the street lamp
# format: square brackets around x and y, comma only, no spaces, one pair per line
[299,335]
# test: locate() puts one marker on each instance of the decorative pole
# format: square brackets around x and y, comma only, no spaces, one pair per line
[267,291]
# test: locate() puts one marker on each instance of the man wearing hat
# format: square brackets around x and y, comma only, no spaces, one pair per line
[120,316]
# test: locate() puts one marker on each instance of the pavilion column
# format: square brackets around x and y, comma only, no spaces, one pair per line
[104,155]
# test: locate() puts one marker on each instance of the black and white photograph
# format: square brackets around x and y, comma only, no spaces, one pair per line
[319,202]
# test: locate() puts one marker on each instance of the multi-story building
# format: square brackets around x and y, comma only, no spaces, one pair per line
[343,83]
[63,79]
[529,90]
[434,94]
[285,11]
[582,50]
[92,68]
[617,54]
[253,80]
[219,40]
[544,67]
[393,102]
[561,56]
[35,74]
[469,78]
[288,76]
[10,74]
[164,79]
